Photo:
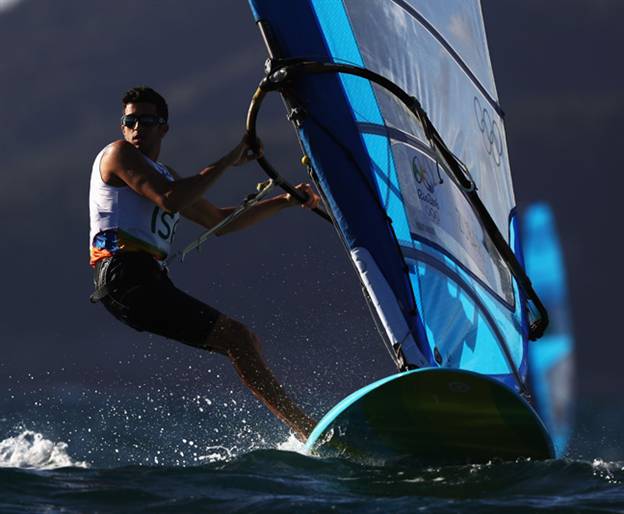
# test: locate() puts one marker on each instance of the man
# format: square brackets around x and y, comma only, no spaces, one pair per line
[134,201]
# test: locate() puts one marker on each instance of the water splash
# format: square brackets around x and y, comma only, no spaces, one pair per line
[32,450]
[607,471]
[292,444]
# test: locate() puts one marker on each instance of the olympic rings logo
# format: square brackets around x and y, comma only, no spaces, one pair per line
[492,136]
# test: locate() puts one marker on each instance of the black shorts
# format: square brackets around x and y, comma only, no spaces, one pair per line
[141,295]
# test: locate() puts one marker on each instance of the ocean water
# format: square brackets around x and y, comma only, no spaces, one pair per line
[165,449]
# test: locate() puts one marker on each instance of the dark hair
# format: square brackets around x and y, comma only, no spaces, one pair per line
[144,94]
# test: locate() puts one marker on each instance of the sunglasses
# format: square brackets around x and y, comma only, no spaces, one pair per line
[147,120]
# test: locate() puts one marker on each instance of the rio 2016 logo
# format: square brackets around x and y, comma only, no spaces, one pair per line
[423,175]
[492,136]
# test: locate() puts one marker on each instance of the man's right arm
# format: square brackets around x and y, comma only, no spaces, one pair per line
[128,164]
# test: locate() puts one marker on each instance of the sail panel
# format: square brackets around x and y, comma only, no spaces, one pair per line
[439,286]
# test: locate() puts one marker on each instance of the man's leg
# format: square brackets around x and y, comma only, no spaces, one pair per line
[157,306]
[242,346]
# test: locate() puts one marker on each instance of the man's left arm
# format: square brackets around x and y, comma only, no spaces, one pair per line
[267,208]
[208,215]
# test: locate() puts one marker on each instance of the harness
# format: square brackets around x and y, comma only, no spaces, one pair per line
[125,283]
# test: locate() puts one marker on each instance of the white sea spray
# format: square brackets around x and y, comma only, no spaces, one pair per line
[32,450]
[292,444]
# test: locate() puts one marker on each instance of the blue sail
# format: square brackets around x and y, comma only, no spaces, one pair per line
[443,294]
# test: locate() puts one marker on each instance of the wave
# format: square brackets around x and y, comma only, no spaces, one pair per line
[273,480]
[31,450]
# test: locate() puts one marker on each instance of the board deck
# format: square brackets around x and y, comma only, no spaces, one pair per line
[433,415]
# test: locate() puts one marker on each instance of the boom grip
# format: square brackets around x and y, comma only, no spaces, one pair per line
[252,116]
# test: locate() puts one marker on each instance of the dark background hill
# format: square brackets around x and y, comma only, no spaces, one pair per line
[63,67]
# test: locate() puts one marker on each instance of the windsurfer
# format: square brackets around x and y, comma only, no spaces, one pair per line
[134,203]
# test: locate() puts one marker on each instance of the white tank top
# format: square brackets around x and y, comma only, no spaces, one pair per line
[140,223]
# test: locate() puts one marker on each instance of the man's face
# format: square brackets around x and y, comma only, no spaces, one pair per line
[141,135]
